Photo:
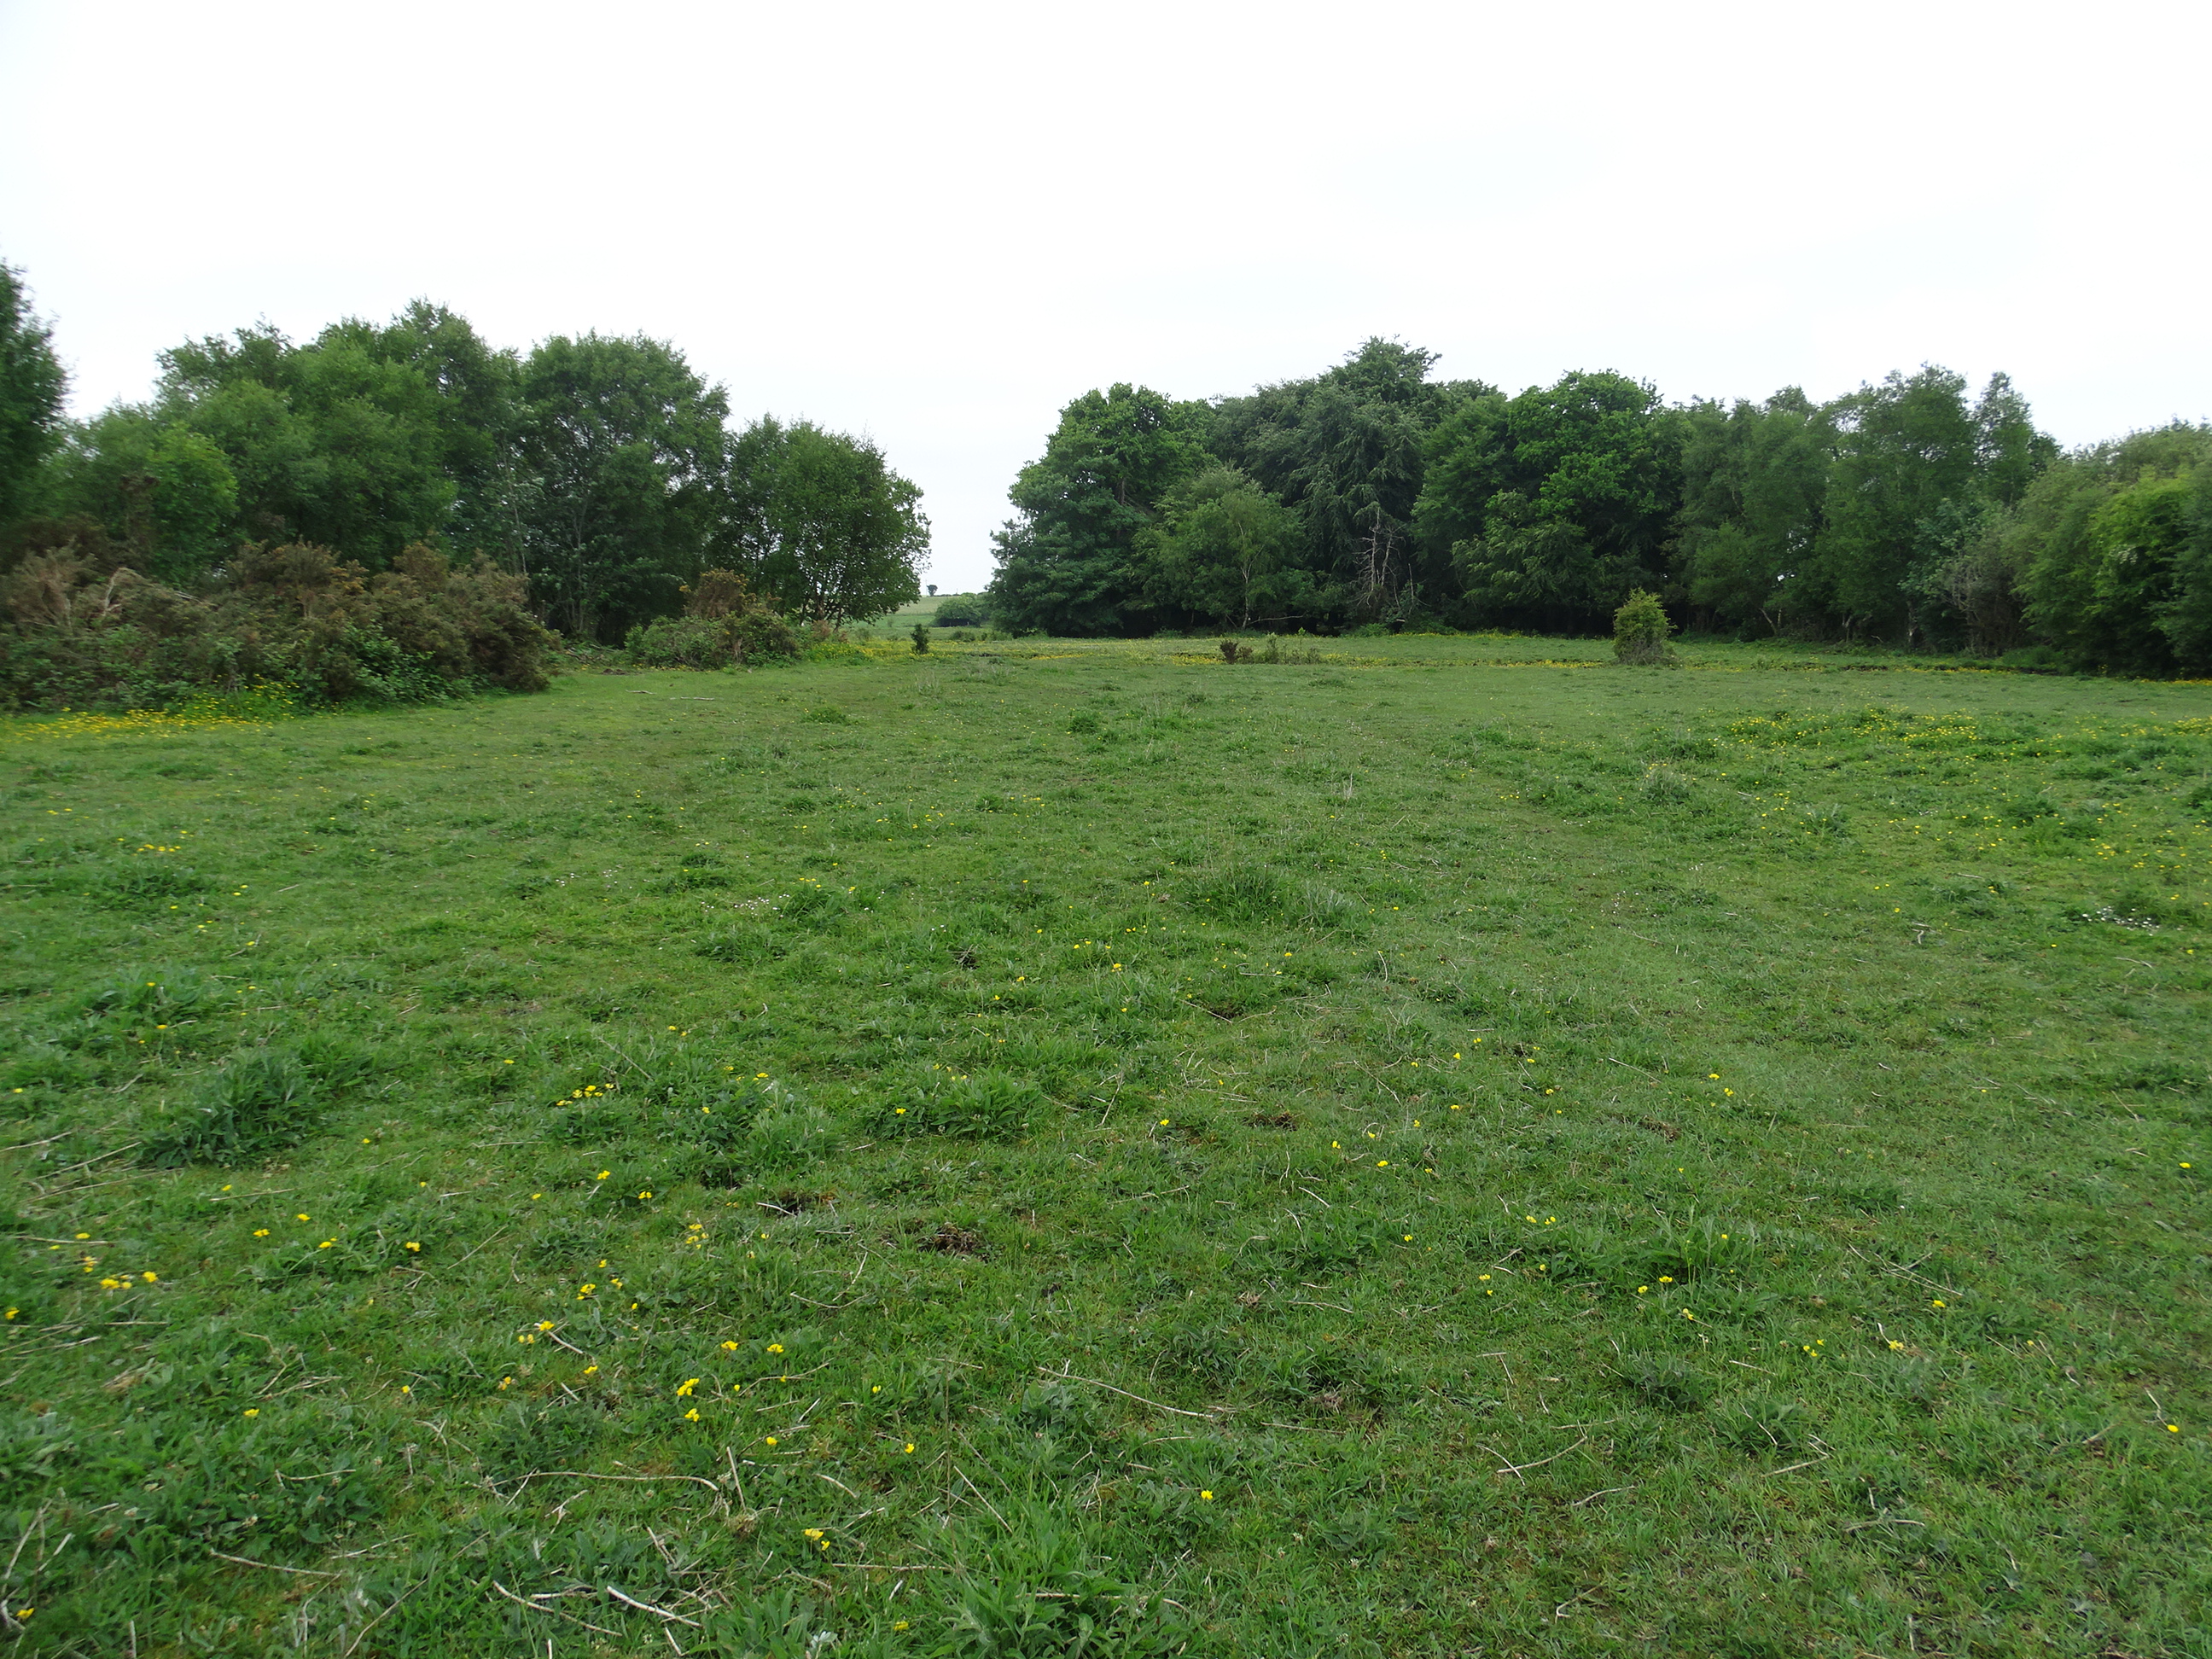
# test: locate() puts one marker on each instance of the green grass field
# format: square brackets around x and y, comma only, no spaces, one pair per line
[1079,1149]
[902,621]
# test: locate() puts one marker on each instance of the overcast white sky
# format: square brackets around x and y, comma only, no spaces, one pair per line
[938,223]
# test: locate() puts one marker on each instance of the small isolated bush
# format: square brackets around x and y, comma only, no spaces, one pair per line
[827,715]
[1640,631]
[1083,725]
[677,642]
[922,639]
[725,641]
[1276,649]
[724,624]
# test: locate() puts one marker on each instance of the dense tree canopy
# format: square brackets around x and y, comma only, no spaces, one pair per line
[1754,481]
[1909,510]
[1557,503]
[1067,562]
[600,468]
[1224,551]
[31,386]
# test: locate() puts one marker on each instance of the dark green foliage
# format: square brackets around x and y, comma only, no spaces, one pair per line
[1640,629]
[1554,504]
[85,633]
[823,522]
[725,624]
[367,440]
[1068,563]
[963,610]
[2112,549]
[626,443]
[1371,498]
[1347,453]
[600,466]
[1226,551]
[32,382]
[1754,484]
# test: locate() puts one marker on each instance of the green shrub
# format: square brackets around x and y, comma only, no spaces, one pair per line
[87,632]
[678,642]
[728,641]
[1640,630]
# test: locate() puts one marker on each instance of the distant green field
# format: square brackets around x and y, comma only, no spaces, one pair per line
[923,609]
[1076,1148]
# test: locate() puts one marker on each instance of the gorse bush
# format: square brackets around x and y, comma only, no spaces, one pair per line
[724,624]
[84,630]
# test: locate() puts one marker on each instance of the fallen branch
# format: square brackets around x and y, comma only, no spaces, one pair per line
[647,1607]
[534,1607]
[1787,1467]
[1514,1468]
[304,1572]
[1069,1376]
[581,1474]
[1601,1493]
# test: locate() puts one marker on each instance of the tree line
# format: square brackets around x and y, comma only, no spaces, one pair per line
[601,472]
[1914,511]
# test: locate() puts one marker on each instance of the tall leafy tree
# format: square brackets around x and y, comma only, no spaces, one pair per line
[1555,504]
[822,521]
[1226,551]
[334,442]
[32,384]
[367,440]
[475,411]
[623,446]
[1347,450]
[162,491]
[2113,545]
[1754,477]
[1068,561]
